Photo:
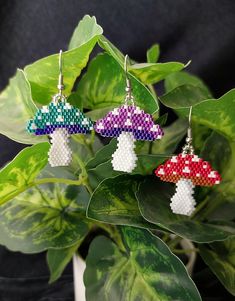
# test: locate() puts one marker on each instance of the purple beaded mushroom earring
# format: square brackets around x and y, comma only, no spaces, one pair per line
[129,123]
[59,120]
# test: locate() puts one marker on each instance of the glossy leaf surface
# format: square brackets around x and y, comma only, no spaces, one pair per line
[146,271]
[154,201]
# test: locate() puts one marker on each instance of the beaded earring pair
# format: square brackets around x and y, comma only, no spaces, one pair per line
[127,123]
[60,119]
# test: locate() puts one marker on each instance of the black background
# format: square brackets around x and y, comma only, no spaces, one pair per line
[203,31]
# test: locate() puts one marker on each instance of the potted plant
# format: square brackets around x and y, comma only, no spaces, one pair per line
[121,224]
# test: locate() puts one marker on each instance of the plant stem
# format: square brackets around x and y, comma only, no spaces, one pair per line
[90,148]
[199,207]
[56,180]
[82,166]
[165,237]
[83,178]
[150,147]
[211,208]
[88,187]
[88,144]
[114,234]
[174,242]
[44,181]
[184,251]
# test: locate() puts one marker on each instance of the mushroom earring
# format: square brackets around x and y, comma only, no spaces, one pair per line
[128,123]
[187,170]
[59,120]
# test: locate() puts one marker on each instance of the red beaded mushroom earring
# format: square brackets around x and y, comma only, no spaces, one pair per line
[128,123]
[187,170]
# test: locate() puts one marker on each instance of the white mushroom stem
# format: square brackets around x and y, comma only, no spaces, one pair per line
[124,158]
[60,153]
[183,201]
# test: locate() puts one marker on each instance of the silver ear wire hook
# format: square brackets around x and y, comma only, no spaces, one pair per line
[188,148]
[61,80]
[190,116]
[190,122]
[129,96]
[59,96]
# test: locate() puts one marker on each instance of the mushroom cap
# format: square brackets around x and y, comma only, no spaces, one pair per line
[189,167]
[59,115]
[129,118]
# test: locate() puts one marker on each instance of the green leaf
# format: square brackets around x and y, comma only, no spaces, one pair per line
[183,97]
[153,53]
[43,74]
[146,271]
[217,114]
[58,259]
[145,166]
[154,203]
[74,101]
[220,257]
[100,167]
[200,134]
[49,216]
[104,86]
[101,172]
[151,73]
[114,202]
[16,107]
[103,155]
[86,30]
[20,173]
[184,90]
[83,148]
[181,78]
[173,134]
[112,50]
[162,119]
[147,163]
[99,113]
[221,200]
[217,150]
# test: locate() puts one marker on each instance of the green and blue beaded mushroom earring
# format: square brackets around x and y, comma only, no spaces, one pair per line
[59,120]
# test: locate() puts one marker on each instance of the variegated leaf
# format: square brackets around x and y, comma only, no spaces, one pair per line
[151,73]
[104,86]
[43,74]
[217,114]
[114,202]
[16,108]
[112,50]
[184,90]
[221,200]
[58,259]
[173,134]
[86,30]
[154,203]
[182,78]
[21,172]
[44,217]
[220,257]
[146,271]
